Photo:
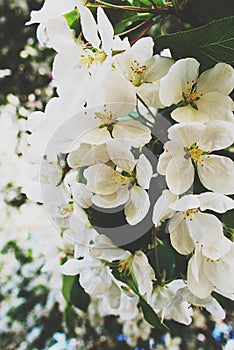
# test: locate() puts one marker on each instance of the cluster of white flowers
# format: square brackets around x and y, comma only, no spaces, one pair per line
[87,150]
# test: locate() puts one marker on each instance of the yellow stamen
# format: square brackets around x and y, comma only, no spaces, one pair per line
[188,214]
[138,73]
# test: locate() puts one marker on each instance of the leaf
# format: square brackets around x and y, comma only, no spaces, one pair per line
[209,44]
[150,316]
[68,282]
[71,17]
[210,10]
[78,296]
[228,218]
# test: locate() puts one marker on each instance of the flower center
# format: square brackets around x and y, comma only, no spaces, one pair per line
[106,117]
[188,214]
[91,55]
[122,180]
[65,210]
[195,153]
[191,95]
[137,73]
[125,265]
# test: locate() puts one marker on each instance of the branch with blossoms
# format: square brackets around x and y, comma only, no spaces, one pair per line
[132,159]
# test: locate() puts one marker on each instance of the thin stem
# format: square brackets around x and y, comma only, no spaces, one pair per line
[145,105]
[143,33]
[155,244]
[136,27]
[129,8]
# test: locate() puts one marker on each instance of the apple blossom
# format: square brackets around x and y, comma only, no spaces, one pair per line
[189,225]
[198,98]
[143,71]
[206,274]
[190,145]
[125,183]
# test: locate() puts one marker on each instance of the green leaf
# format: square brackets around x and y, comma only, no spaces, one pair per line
[209,44]
[150,316]
[72,17]
[78,296]
[148,312]
[166,259]
[210,10]
[68,282]
[228,218]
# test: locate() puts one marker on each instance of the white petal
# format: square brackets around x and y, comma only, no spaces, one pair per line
[144,172]
[220,78]
[149,93]
[179,174]
[179,234]
[143,49]
[112,200]
[216,310]
[162,210]
[163,162]
[217,202]
[113,295]
[133,132]
[106,30]
[198,284]
[88,25]
[72,267]
[88,154]
[138,205]
[121,155]
[185,134]
[216,173]
[188,114]
[96,281]
[220,272]
[207,230]
[59,34]
[216,106]
[186,202]
[217,135]
[175,82]
[157,67]
[217,248]
[99,179]
[105,249]
[82,195]
[143,272]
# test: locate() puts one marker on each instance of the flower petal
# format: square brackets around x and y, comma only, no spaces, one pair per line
[112,200]
[179,235]
[132,132]
[143,272]
[188,114]
[121,155]
[138,205]
[216,173]
[99,179]
[217,202]
[198,283]
[144,172]
[216,106]
[175,82]
[162,211]
[106,31]
[220,78]
[72,267]
[88,25]
[220,272]
[179,174]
